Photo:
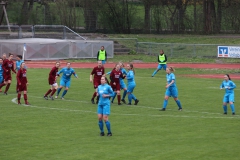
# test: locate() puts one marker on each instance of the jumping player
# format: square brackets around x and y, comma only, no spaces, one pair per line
[22,83]
[171,89]
[52,81]
[98,72]
[228,97]
[104,91]
[7,66]
[65,79]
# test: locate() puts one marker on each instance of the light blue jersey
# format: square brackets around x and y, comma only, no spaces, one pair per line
[104,102]
[131,81]
[122,84]
[18,64]
[171,77]
[229,91]
[66,77]
[1,73]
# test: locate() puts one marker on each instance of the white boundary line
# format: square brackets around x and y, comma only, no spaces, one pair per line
[174,116]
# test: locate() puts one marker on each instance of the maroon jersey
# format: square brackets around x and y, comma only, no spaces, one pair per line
[7,67]
[22,77]
[52,75]
[115,76]
[98,72]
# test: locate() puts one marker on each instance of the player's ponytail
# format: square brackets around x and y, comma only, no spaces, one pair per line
[228,76]
[171,69]
[132,68]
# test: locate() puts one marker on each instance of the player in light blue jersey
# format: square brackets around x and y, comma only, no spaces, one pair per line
[171,89]
[1,72]
[131,84]
[228,97]
[65,79]
[19,61]
[104,91]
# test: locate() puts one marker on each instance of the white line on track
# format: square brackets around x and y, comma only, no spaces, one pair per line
[151,115]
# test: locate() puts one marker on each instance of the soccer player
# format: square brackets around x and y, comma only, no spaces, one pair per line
[115,76]
[104,91]
[228,97]
[122,83]
[131,84]
[18,64]
[4,56]
[22,83]
[102,55]
[65,79]
[1,72]
[52,81]
[98,72]
[7,66]
[162,60]
[171,89]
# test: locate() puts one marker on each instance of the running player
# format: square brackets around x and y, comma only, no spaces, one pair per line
[22,83]
[131,84]
[162,60]
[98,72]
[7,66]
[228,97]
[65,79]
[171,89]
[115,76]
[52,81]
[104,91]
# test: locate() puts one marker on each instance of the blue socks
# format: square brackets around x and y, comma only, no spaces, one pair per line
[179,104]
[64,92]
[100,124]
[130,98]
[165,103]
[114,96]
[108,126]
[133,96]
[225,109]
[232,108]
[58,91]
[155,72]
[124,94]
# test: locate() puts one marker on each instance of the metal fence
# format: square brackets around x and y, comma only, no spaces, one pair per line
[179,50]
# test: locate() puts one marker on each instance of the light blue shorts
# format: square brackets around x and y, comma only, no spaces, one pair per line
[228,98]
[103,62]
[103,109]
[172,92]
[65,83]
[160,66]
[1,79]
[130,88]
[122,84]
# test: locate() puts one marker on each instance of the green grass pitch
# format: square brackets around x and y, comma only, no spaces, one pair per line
[68,129]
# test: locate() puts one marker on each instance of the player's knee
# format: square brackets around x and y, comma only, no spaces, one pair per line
[118,92]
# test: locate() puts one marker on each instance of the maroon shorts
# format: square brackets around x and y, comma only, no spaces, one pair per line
[96,84]
[115,87]
[22,87]
[7,77]
[51,81]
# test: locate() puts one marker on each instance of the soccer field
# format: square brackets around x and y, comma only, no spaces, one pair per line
[68,129]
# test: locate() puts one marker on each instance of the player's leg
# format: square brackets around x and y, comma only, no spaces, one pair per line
[47,93]
[231,102]
[19,95]
[165,102]
[95,85]
[3,83]
[123,86]
[8,86]
[100,119]
[225,101]
[175,96]
[62,83]
[25,97]
[164,66]
[67,86]
[106,113]
[54,88]
[119,97]
[158,68]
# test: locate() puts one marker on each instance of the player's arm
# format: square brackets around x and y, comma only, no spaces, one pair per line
[129,76]
[168,85]
[222,86]
[75,75]
[165,58]
[59,72]
[18,77]
[97,55]
[111,77]
[158,59]
[232,85]
[3,66]
[106,55]
[12,68]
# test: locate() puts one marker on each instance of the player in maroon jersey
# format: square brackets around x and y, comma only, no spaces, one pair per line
[98,72]
[7,66]
[115,76]
[22,83]
[4,56]
[52,81]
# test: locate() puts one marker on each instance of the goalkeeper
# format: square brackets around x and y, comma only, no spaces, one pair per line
[162,60]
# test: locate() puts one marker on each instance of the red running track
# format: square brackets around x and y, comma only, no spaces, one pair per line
[50,64]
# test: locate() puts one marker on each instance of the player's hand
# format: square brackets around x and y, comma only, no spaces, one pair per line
[27,84]
[104,75]
[167,86]
[114,83]
[105,95]
[19,84]
[91,80]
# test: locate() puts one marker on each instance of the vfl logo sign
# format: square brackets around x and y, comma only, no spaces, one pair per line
[222,51]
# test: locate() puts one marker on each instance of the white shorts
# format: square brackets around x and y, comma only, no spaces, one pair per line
[55,84]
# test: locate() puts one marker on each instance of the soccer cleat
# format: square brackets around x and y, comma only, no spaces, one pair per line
[27,103]
[5,93]
[56,97]
[102,134]
[123,100]
[163,109]
[180,109]
[136,102]
[19,103]
[225,113]
[129,104]
[233,113]
[119,103]
[109,134]
[92,100]
[112,101]
[45,97]
[51,97]
[62,98]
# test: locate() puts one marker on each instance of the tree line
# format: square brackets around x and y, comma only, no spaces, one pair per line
[132,16]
